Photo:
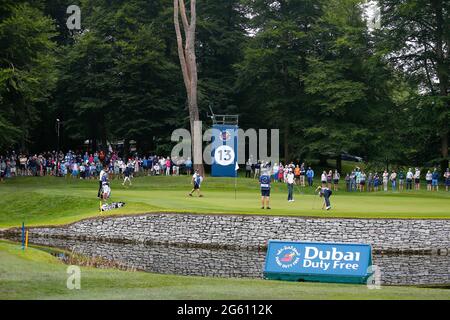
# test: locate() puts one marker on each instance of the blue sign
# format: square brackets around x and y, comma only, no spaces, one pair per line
[224,151]
[327,262]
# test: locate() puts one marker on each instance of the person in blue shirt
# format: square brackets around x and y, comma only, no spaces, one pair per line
[197,180]
[264,181]
[435,180]
[145,165]
[188,165]
[310,176]
[326,193]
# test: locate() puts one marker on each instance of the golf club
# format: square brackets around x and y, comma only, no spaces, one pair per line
[299,190]
[314,201]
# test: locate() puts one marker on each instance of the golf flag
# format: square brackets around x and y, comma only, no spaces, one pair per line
[224,151]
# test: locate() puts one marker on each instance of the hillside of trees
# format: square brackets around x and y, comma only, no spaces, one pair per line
[312,68]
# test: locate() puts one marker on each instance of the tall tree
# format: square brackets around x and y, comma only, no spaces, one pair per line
[27,73]
[346,84]
[270,75]
[220,26]
[188,63]
[416,35]
[118,80]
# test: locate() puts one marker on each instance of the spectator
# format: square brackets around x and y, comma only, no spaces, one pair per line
[409,179]
[23,165]
[352,181]
[330,178]
[188,165]
[429,180]
[362,181]
[280,173]
[310,176]
[248,169]
[435,180]
[393,179]
[302,174]
[447,179]
[323,178]
[168,166]
[12,164]
[376,182]
[257,169]
[385,180]
[370,182]
[275,171]
[2,169]
[401,180]
[358,178]
[82,171]
[336,178]
[417,179]
[297,174]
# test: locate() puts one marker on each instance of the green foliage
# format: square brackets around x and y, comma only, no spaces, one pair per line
[416,35]
[27,73]
[309,68]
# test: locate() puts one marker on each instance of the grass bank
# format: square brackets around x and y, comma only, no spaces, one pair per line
[34,274]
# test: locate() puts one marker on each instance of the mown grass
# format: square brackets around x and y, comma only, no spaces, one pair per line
[35,274]
[49,200]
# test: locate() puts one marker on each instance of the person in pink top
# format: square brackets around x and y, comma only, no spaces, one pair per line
[281,173]
[168,166]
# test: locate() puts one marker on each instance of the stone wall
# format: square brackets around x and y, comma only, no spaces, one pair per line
[242,263]
[244,231]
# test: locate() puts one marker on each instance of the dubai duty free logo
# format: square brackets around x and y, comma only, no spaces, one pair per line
[287,257]
[225,136]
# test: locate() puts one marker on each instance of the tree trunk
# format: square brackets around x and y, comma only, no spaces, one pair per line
[188,64]
[339,163]
[323,161]
[286,144]
[126,149]
[444,146]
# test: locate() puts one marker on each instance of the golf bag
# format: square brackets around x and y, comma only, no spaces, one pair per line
[112,206]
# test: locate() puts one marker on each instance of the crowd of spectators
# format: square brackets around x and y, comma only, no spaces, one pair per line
[357,180]
[84,165]
[89,165]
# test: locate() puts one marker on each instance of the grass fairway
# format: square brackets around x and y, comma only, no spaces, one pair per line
[34,274]
[48,200]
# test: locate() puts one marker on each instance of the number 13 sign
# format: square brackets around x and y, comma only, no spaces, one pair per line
[224,151]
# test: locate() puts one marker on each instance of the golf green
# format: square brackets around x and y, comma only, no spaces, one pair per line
[49,200]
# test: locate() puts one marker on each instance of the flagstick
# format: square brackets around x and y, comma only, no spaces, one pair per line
[235,185]
[236,168]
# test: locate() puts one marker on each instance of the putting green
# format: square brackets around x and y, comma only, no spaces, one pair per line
[40,201]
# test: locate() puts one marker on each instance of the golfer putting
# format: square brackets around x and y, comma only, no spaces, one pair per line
[326,193]
[197,180]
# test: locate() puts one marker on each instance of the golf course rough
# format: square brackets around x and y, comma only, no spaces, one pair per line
[34,274]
